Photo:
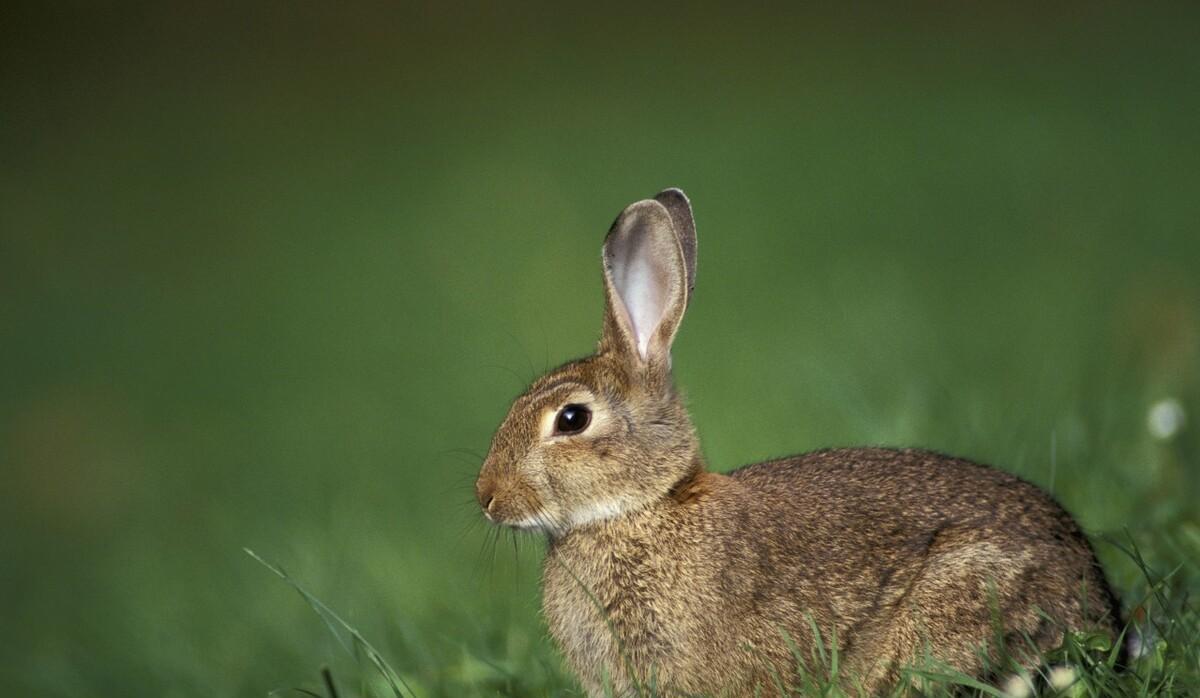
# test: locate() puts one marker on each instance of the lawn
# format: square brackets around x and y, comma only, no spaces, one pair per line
[270,275]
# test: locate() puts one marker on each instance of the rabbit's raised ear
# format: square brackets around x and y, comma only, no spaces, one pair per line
[646,282]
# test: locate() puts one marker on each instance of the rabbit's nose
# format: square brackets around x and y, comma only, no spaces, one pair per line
[486,496]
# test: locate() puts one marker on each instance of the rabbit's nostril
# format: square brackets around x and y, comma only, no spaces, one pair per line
[484,494]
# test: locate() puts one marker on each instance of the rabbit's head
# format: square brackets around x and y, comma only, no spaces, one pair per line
[607,434]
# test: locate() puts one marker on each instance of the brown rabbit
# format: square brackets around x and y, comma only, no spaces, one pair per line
[661,573]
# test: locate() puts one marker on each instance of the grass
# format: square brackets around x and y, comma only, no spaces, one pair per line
[270,275]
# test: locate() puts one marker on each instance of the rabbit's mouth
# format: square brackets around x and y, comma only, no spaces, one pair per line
[530,523]
[541,522]
[527,523]
[504,509]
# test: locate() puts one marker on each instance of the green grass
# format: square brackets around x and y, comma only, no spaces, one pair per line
[270,274]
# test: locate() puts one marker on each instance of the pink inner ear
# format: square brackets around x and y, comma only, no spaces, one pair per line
[645,273]
[642,287]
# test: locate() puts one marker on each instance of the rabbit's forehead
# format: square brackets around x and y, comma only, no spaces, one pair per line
[559,392]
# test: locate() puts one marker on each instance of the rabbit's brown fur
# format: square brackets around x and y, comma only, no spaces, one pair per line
[660,572]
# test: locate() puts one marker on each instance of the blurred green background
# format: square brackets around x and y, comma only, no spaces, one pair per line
[271,272]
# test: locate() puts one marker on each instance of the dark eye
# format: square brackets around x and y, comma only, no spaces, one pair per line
[572,419]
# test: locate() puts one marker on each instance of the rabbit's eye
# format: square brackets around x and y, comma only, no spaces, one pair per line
[572,419]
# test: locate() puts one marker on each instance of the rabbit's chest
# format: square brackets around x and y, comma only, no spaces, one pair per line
[615,606]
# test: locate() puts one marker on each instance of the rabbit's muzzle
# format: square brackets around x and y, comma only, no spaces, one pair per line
[504,499]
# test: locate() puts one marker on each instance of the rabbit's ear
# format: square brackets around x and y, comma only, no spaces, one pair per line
[645,279]
[677,204]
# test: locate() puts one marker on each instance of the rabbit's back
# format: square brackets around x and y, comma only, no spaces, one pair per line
[861,522]
[902,500]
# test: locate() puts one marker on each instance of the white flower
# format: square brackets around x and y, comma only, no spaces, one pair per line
[1018,686]
[1165,418]
[1061,677]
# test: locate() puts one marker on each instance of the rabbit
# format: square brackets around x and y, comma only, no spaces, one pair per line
[659,572]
